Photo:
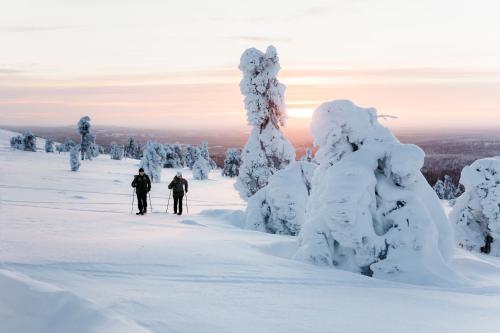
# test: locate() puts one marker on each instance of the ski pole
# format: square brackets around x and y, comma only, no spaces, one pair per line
[133,199]
[168,202]
[150,203]
[187,208]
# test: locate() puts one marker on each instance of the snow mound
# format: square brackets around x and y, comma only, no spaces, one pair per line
[31,306]
[476,214]
[280,207]
[371,210]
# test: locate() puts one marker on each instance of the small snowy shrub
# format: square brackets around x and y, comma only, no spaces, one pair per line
[116,151]
[153,160]
[446,189]
[201,166]
[280,207]
[232,163]
[26,142]
[74,160]
[267,150]
[49,146]
[476,213]
[371,210]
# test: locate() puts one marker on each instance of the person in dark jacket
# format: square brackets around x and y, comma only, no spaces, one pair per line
[178,185]
[142,186]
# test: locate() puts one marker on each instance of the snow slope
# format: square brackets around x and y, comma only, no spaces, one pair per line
[72,254]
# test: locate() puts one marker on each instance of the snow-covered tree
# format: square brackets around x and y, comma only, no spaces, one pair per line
[446,189]
[116,151]
[476,213]
[189,156]
[308,156]
[92,148]
[88,140]
[153,160]
[26,141]
[371,210]
[132,149]
[201,166]
[173,156]
[267,150]
[203,148]
[49,146]
[67,145]
[74,160]
[280,207]
[232,163]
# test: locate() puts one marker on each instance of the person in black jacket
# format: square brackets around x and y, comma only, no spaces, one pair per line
[142,186]
[177,185]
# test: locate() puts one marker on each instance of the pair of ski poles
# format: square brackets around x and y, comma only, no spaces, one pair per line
[168,202]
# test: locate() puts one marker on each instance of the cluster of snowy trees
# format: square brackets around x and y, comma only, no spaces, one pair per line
[26,141]
[361,203]
[132,149]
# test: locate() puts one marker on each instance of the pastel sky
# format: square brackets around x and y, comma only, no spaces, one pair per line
[162,63]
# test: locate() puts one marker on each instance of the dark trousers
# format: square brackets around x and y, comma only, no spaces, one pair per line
[178,203]
[142,201]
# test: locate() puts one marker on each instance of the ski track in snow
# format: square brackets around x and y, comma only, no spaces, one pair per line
[73,259]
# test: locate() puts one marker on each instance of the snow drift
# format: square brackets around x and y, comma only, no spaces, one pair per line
[280,207]
[371,210]
[31,306]
[476,214]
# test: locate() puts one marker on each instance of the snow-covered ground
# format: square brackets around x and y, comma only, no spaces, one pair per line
[73,259]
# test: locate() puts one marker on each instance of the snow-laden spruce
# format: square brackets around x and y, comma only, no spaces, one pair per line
[232,163]
[201,166]
[152,160]
[26,141]
[266,150]
[189,153]
[280,207]
[132,149]
[173,156]
[476,214]
[371,210]
[49,146]
[88,144]
[74,159]
[116,151]
[446,189]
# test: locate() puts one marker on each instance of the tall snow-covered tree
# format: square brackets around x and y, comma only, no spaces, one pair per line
[74,161]
[203,148]
[267,150]
[116,151]
[371,210]
[232,163]
[83,127]
[49,146]
[476,213]
[201,166]
[280,207]
[153,159]
[189,156]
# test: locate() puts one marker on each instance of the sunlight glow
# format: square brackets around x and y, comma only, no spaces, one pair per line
[300,112]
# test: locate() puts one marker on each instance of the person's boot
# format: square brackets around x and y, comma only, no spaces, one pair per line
[180,213]
[138,213]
